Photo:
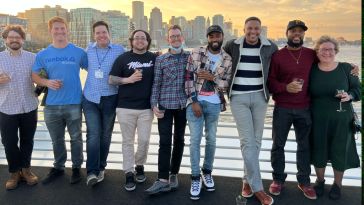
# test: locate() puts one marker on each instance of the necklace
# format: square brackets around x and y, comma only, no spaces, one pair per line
[296,59]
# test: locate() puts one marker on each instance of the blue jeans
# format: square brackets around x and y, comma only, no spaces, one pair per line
[57,117]
[210,115]
[100,120]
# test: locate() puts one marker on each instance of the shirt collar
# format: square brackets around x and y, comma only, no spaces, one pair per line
[11,54]
[94,45]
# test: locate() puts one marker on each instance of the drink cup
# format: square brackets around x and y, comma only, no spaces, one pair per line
[299,81]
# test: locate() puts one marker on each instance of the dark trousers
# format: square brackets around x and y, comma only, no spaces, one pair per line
[18,157]
[166,164]
[282,121]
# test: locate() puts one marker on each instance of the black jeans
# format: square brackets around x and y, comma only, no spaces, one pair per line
[18,157]
[282,121]
[167,164]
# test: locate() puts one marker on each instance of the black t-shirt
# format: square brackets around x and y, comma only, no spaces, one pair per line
[135,95]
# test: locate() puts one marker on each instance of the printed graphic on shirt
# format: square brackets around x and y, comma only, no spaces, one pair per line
[137,64]
[207,88]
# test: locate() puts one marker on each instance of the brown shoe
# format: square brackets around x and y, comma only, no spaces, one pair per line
[247,190]
[12,183]
[264,198]
[29,176]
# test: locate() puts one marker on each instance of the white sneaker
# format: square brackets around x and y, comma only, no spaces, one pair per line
[208,182]
[101,176]
[195,190]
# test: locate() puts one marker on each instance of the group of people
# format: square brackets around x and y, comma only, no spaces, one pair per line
[177,87]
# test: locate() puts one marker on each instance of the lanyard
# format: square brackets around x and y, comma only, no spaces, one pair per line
[103,59]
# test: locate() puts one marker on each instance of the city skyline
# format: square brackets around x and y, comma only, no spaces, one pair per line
[336,18]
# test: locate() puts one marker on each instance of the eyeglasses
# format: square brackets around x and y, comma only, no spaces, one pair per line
[139,39]
[175,37]
[14,38]
[327,50]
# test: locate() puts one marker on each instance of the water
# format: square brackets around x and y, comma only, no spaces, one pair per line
[227,147]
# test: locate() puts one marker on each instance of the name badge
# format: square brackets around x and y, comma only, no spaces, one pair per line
[99,74]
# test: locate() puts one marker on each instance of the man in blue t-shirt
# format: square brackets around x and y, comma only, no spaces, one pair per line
[62,61]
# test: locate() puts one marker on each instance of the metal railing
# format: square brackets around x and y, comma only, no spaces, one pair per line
[228,159]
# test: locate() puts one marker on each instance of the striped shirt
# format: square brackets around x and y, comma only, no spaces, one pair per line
[169,81]
[249,74]
[17,96]
[100,61]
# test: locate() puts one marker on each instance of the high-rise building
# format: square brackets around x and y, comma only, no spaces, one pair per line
[208,23]
[228,28]
[264,31]
[138,15]
[81,21]
[236,33]
[6,19]
[118,26]
[38,22]
[198,28]
[218,19]
[155,26]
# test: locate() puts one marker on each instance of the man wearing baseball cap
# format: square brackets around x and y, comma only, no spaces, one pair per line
[288,82]
[208,72]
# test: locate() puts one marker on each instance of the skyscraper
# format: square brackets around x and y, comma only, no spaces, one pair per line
[155,26]
[264,31]
[81,21]
[138,15]
[118,26]
[208,23]
[38,22]
[218,19]
[198,29]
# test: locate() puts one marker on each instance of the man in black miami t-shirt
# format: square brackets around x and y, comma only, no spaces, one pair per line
[133,72]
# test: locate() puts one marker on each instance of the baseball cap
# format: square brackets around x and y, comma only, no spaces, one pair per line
[296,23]
[214,28]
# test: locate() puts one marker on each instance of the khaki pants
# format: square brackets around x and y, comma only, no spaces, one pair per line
[131,120]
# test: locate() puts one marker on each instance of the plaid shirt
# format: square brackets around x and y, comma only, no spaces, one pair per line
[169,81]
[199,60]
[17,96]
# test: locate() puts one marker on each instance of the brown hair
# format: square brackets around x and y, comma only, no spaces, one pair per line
[17,28]
[56,19]
[131,38]
[175,27]
[326,39]
[253,18]
[100,23]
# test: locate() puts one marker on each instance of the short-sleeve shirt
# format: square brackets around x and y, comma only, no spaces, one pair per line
[62,64]
[135,95]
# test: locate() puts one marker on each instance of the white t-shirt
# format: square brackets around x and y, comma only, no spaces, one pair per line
[207,92]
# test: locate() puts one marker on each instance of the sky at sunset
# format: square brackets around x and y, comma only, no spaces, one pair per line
[336,18]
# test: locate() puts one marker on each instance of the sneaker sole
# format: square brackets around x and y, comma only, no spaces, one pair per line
[209,189]
[308,197]
[274,193]
[92,182]
[247,196]
[130,189]
[160,191]
[140,180]
[195,198]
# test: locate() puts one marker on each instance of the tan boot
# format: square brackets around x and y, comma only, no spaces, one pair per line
[12,183]
[29,176]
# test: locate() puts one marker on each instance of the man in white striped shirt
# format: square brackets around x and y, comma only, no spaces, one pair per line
[249,95]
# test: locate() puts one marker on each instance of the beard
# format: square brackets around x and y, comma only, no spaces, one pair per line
[293,44]
[215,46]
[14,46]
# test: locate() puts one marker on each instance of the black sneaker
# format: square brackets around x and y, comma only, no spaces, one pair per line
[139,174]
[129,181]
[52,175]
[335,192]
[76,176]
[319,187]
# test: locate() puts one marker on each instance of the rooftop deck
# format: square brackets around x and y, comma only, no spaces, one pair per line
[228,169]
